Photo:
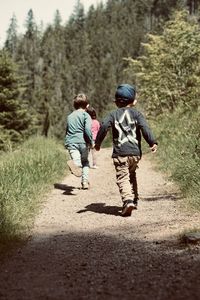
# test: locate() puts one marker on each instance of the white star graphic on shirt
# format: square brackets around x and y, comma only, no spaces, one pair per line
[127,131]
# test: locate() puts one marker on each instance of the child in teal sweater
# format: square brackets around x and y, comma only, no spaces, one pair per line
[79,139]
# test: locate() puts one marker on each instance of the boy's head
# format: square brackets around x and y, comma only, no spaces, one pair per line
[125,95]
[80,101]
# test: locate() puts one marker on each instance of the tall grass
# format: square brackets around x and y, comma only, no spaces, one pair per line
[179,151]
[25,175]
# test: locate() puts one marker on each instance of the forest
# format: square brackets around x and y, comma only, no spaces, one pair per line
[42,69]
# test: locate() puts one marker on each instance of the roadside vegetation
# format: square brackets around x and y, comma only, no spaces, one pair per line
[179,152]
[168,76]
[26,174]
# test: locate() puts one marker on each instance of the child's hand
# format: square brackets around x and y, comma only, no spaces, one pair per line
[154,148]
[97,147]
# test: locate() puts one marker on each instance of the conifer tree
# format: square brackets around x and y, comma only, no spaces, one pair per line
[77,48]
[12,39]
[52,101]
[14,118]
[28,58]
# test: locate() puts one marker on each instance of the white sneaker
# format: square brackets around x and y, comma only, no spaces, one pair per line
[94,167]
[85,185]
[77,171]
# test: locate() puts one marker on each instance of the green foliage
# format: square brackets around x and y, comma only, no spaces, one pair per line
[11,41]
[50,104]
[25,175]
[29,63]
[179,150]
[84,55]
[14,117]
[168,72]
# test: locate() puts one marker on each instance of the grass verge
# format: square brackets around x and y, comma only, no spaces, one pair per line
[179,152]
[26,174]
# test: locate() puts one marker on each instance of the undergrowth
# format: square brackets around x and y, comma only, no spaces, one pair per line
[178,136]
[26,174]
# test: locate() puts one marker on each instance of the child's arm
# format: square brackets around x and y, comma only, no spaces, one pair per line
[88,131]
[146,132]
[106,124]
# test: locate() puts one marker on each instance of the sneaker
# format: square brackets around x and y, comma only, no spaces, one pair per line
[135,202]
[85,185]
[94,167]
[74,169]
[127,208]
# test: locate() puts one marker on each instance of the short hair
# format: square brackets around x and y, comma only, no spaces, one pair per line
[91,111]
[120,102]
[80,101]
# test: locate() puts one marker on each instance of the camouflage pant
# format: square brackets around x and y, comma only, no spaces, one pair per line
[126,176]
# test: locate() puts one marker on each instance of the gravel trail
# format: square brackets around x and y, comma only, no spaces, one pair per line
[81,247]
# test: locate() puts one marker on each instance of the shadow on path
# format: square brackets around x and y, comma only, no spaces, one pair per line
[100,266]
[102,208]
[68,189]
[171,196]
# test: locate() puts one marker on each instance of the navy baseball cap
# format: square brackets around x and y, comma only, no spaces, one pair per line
[125,93]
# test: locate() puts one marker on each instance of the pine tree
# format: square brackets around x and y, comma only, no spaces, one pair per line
[29,58]
[14,118]
[52,102]
[77,48]
[12,40]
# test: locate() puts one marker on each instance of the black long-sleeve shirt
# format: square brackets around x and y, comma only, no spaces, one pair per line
[128,125]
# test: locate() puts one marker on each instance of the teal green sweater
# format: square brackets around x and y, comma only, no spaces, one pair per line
[78,130]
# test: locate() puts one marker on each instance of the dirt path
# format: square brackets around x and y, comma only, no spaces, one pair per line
[81,248]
